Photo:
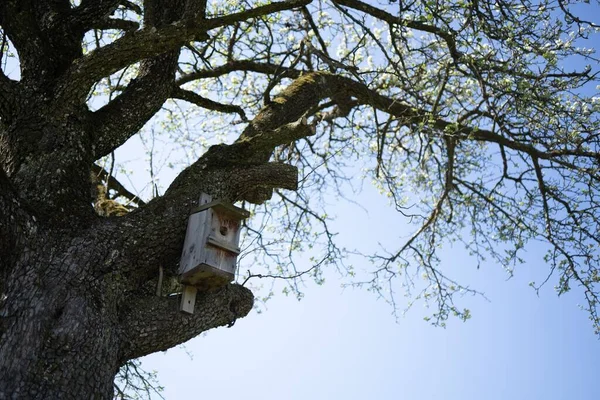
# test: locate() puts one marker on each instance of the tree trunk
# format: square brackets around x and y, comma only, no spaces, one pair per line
[78,290]
[60,325]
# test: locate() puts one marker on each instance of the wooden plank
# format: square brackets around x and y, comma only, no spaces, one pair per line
[195,237]
[188,299]
[212,240]
[206,277]
[225,208]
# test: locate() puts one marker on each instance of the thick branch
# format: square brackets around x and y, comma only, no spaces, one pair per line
[292,104]
[124,116]
[311,88]
[44,37]
[116,122]
[22,31]
[239,65]
[115,23]
[209,104]
[154,323]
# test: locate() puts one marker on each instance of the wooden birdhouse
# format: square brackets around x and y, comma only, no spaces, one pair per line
[211,248]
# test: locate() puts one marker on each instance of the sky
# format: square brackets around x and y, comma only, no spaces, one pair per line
[345,344]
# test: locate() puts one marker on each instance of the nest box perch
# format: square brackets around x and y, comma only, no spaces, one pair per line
[211,248]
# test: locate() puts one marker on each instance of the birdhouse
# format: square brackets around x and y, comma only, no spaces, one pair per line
[211,247]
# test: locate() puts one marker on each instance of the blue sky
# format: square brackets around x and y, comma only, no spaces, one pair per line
[345,344]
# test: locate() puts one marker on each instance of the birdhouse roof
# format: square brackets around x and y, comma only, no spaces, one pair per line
[224,208]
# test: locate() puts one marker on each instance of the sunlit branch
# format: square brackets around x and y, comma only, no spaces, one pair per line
[208,104]
[239,65]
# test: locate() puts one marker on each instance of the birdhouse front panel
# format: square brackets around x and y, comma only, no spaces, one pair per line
[211,245]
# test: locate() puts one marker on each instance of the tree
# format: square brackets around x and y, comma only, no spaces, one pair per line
[469,115]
